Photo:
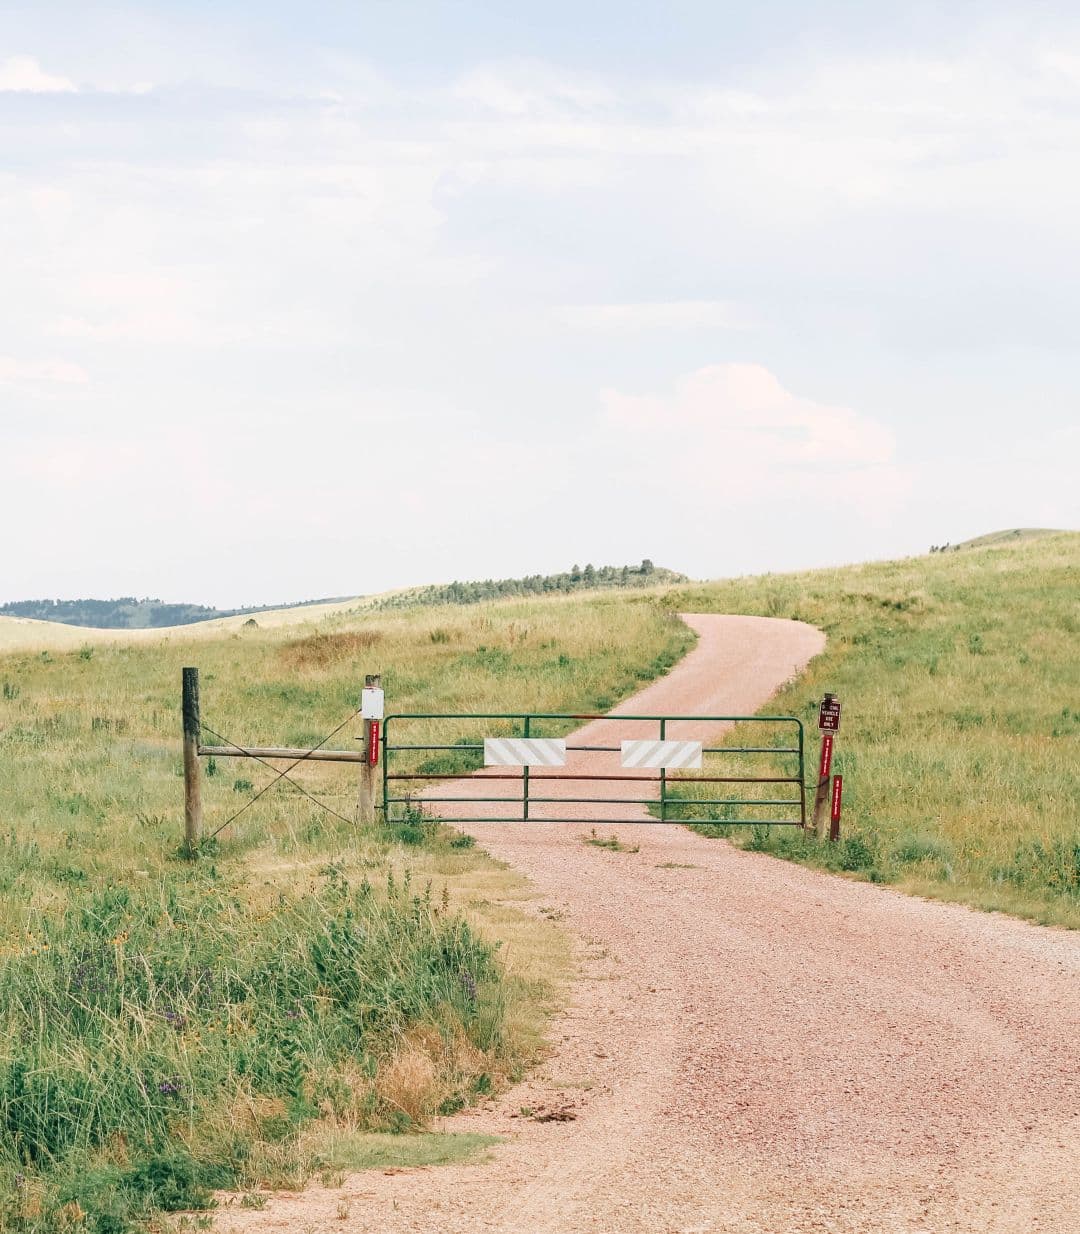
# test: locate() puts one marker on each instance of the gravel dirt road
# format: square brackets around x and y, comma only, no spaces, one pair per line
[756,1047]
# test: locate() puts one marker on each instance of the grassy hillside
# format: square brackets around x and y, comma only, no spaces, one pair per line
[998,539]
[589,578]
[129,613]
[960,748]
[21,634]
[171,1026]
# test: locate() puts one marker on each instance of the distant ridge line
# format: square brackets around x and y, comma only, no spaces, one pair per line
[128,613]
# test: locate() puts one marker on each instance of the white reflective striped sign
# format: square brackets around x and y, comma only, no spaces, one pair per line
[524,752]
[661,754]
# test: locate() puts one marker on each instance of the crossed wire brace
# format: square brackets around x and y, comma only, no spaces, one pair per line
[280,775]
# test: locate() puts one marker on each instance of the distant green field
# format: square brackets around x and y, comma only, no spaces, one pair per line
[959,676]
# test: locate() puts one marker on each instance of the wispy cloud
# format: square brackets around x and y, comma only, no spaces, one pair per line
[739,433]
[40,372]
[744,407]
[24,73]
[534,89]
[657,315]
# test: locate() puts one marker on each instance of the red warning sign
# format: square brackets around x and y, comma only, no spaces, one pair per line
[837,794]
[373,743]
[826,756]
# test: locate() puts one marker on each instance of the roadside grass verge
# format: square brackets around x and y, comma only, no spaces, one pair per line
[960,745]
[171,1027]
[375,1151]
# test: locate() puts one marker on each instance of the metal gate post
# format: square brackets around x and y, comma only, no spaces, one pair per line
[525,780]
[663,778]
[802,779]
[386,769]
[192,729]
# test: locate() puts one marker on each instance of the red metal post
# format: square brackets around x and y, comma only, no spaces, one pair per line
[826,756]
[837,795]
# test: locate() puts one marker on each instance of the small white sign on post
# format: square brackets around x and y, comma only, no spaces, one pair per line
[371,703]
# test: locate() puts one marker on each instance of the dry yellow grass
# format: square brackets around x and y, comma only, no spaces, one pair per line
[25,634]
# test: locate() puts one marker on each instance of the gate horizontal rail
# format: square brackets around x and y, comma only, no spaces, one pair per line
[665,780]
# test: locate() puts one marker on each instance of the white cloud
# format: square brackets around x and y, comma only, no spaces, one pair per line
[20,372]
[531,88]
[657,315]
[24,73]
[744,405]
[735,431]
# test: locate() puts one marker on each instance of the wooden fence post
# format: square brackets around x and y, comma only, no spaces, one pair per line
[192,771]
[369,772]
[829,724]
[821,797]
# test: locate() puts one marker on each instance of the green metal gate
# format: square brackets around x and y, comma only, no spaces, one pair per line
[408,762]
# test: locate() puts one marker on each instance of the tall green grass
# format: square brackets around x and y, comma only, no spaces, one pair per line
[155,1036]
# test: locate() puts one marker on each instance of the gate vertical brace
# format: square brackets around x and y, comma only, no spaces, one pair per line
[525,780]
[802,779]
[663,778]
[386,769]
[192,727]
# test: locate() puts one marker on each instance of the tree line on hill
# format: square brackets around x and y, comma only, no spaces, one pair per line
[574,579]
[129,613]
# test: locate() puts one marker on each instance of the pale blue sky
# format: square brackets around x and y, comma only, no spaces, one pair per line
[383,293]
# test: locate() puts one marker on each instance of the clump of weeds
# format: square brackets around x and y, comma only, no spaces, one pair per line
[612,843]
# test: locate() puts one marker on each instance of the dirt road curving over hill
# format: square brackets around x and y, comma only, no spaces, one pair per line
[754,1047]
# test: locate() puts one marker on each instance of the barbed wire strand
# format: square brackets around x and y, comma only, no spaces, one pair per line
[280,775]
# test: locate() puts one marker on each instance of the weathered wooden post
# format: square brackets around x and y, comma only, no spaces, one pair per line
[371,709]
[829,724]
[192,771]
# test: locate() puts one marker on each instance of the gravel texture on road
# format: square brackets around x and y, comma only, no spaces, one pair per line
[753,1046]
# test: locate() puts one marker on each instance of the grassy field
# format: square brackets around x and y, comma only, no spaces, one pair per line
[959,676]
[174,1026]
[281,1004]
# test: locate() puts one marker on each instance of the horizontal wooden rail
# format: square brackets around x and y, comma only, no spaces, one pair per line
[309,756]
